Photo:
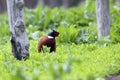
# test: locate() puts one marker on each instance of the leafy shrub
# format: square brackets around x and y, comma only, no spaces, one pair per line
[87,35]
[67,34]
[89,9]
[33,16]
[68,22]
[115,33]
[115,26]
[51,18]
[4,29]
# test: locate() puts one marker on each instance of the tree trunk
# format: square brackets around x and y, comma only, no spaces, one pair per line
[65,3]
[19,40]
[2,6]
[103,17]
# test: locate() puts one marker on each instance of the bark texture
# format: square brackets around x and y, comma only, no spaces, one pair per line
[19,40]
[103,17]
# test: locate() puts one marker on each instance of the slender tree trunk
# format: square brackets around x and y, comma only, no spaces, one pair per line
[65,3]
[19,40]
[2,6]
[103,17]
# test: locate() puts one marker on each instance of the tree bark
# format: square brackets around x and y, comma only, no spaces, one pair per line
[103,17]
[19,40]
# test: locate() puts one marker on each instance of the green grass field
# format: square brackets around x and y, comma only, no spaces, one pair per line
[69,62]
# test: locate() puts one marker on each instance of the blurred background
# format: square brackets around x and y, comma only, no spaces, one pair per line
[74,19]
[51,3]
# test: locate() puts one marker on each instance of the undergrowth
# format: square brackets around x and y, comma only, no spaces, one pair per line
[70,61]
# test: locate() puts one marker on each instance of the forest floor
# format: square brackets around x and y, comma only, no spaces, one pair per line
[114,77]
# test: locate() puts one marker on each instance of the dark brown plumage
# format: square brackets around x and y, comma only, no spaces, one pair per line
[48,41]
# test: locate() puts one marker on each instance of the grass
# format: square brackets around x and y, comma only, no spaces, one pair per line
[69,62]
